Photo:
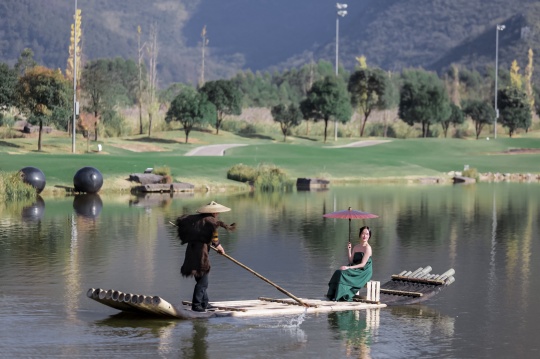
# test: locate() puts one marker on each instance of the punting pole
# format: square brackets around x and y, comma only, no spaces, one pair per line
[263,278]
[258,275]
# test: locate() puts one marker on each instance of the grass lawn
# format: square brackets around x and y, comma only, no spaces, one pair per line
[299,157]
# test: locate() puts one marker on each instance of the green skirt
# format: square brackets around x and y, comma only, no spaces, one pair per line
[344,284]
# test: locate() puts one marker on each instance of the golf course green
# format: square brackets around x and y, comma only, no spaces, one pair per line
[342,161]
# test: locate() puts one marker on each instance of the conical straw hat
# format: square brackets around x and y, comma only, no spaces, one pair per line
[213,207]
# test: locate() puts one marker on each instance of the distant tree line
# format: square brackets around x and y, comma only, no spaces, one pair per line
[311,92]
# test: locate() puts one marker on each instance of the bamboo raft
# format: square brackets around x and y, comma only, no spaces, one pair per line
[410,287]
[407,287]
[158,307]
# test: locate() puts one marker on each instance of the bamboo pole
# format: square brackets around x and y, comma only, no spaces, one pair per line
[264,299]
[263,278]
[447,274]
[258,275]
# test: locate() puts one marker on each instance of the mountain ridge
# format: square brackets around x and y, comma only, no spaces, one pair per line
[264,35]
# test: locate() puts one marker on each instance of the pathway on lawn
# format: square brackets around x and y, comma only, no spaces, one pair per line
[212,150]
[361,143]
[219,150]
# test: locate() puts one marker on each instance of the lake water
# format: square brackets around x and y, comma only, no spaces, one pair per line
[53,251]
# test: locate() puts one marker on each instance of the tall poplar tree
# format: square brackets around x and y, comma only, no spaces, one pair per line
[153,104]
[528,80]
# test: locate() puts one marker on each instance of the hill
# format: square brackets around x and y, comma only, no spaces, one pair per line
[267,35]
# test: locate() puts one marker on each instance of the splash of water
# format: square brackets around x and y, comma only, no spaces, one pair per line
[294,322]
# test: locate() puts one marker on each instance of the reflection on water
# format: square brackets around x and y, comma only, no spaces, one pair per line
[88,205]
[352,327]
[488,233]
[126,321]
[149,200]
[34,211]
[425,319]
[199,342]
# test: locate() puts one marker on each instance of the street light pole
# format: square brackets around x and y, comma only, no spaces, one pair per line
[499,28]
[340,12]
[74,80]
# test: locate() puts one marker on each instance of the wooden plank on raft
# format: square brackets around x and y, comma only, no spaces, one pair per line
[362,299]
[289,302]
[416,280]
[401,292]
[220,307]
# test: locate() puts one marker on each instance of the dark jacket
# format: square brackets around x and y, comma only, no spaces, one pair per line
[197,230]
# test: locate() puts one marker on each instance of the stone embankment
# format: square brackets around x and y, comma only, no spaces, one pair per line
[503,177]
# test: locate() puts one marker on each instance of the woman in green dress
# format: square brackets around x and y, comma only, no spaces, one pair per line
[348,280]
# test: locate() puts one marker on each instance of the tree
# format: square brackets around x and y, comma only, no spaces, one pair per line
[44,95]
[203,46]
[225,96]
[327,99]
[390,99]
[454,86]
[367,87]
[473,86]
[423,99]
[287,117]
[140,77]
[536,92]
[74,47]
[516,80]
[456,117]
[528,81]
[8,83]
[153,105]
[515,110]
[25,62]
[480,112]
[190,108]
[96,85]
[121,77]
[124,75]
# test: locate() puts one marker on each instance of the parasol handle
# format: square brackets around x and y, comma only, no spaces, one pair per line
[349,230]
[350,225]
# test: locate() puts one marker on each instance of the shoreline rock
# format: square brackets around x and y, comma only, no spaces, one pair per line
[503,177]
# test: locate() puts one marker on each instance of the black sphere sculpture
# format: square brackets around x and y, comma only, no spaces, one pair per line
[88,205]
[88,180]
[34,177]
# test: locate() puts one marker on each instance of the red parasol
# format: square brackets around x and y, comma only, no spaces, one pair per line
[350,214]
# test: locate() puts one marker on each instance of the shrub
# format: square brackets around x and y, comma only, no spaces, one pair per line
[271,178]
[12,187]
[115,125]
[9,132]
[266,178]
[164,171]
[242,173]
[471,173]
[6,120]
[232,126]
[248,129]
[377,130]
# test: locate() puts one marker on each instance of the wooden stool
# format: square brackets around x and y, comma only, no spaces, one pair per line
[373,291]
